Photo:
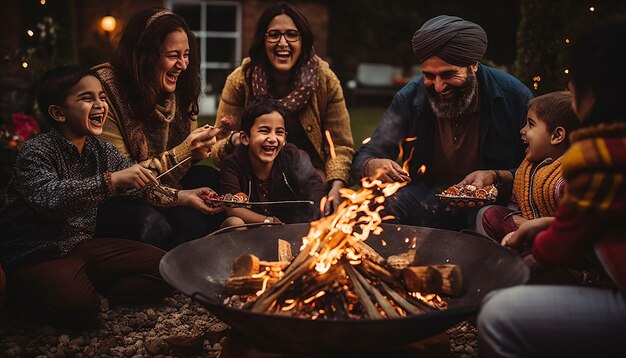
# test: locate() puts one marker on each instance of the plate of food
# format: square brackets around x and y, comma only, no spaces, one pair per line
[468,195]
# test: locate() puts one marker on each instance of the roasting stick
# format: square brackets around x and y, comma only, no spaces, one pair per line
[174,167]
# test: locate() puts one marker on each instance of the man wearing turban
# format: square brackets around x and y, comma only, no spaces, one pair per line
[460,120]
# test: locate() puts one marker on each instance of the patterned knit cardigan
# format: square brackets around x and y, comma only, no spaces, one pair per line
[591,215]
[537,187]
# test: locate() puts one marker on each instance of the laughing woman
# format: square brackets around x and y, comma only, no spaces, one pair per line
[153,85]
[283,65]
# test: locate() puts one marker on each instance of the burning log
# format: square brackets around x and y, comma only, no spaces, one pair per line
[451,279]
[421,278]
[248,285]
[284,251]
[403,260]
[440,279]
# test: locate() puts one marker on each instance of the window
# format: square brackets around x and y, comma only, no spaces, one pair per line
[217,25]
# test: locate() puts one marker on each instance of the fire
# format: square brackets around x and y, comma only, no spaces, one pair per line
[422,169]
[336,274]
[405,164]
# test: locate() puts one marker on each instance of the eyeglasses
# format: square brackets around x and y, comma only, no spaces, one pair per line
[274,36]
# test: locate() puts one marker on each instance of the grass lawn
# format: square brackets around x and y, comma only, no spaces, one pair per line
[364,122]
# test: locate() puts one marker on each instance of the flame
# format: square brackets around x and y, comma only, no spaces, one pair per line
[405,165]
[422,169]
[430,299]
[318,295]
[264,287]
[330,144]
[334,236]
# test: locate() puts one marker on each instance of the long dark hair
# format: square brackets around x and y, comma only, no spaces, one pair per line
[136,57]
[597,67]
[257,48]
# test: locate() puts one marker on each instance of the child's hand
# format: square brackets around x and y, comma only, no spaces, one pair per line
[522,238]
[193,198]
[201,140]
[135,177]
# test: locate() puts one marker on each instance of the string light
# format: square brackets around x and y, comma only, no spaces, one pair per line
[24,64]
[566,71]
[592,9]
[30,33]
[42,2]
[566,41]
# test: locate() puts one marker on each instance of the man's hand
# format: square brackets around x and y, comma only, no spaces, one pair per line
[386,170]
[522,239]
[192,198]
[135,177]
[201,140]
[334,198]
[479,178]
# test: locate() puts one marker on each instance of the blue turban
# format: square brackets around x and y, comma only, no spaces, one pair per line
[452,39]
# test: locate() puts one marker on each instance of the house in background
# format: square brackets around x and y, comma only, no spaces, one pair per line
[224,29]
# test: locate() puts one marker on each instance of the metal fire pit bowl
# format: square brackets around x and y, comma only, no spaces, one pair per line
[199,269]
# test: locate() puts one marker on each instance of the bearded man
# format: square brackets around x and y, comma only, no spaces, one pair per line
[460,121]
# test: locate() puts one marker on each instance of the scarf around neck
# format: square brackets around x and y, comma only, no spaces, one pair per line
[306,82]
[166,128]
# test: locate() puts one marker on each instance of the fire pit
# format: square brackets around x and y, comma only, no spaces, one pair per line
[200,268]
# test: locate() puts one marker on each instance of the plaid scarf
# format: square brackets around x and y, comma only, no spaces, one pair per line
[307,80]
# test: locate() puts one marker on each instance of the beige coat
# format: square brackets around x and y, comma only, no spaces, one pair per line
[326,110]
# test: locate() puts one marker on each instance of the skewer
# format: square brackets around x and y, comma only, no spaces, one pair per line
[206,126]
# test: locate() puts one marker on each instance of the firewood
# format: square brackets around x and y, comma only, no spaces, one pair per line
[369,252]
[402,302]
[452,279]
[390,312]
[422,279]
[364,298]
[245,285]
[284,251]
[246,265]
[403,260]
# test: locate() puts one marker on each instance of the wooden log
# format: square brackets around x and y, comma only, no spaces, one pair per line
[284,251]
[422,279]
[451,279]
[247,285]
[379,298]
[402,261]
[246,265]
[402,302]
[364,298]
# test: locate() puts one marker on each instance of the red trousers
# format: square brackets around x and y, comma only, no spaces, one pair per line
[66,291]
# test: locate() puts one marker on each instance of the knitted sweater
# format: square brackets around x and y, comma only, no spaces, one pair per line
[157,144]
[591,215]
[537,187]
[326,110]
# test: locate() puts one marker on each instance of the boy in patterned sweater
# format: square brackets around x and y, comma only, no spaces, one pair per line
[54,264]
[538,183]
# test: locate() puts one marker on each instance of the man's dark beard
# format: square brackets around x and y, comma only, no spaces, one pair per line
[462,97]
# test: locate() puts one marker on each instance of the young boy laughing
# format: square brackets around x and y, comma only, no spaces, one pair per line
[55,266]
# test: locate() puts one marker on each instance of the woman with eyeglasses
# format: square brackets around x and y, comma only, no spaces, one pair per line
[283,65]
[152,84]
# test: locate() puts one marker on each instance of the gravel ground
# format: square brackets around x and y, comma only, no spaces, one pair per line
[147,331]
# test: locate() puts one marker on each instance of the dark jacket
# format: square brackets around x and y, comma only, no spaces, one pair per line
[292,178]
[503,101]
